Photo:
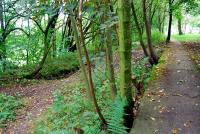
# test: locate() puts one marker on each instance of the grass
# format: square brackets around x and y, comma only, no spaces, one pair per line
[187,37]
[8,108]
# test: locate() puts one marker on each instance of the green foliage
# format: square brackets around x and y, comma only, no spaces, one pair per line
[187,37]
[76,111]
[142,71]
[115,120]
[53,68]
[65,114]
[8,108]
[158,37]
[63,64]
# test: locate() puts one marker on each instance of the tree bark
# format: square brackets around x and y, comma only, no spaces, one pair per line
[2,38]
[1,15]
[180,27]
[124,12]
[140,33]
[91,84]
[170,21]
[148,33]
[81,42]
[109,54]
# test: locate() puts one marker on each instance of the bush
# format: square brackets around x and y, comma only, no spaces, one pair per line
[158,37]
[59,66]
[53,68]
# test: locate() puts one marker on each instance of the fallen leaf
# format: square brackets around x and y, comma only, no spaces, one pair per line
[175,131]
[152,118]
[177,94]
[156,131]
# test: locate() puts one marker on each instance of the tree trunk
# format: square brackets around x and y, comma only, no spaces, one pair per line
[109,53]
[170,21]
[148,32]
[1,15]
[140,33]
[47,47]
[180,27]
[80,55]
[91,84]
[2,38]
[124,12]
[54,48]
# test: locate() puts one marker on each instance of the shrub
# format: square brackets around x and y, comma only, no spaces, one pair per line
[53,68]
[158,37]
[59,66]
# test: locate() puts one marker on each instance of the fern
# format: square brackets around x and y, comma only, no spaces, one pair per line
[63,132]
[115,123]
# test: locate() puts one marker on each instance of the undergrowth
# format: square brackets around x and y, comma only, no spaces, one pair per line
[8,108]
[53,68]
[75,111]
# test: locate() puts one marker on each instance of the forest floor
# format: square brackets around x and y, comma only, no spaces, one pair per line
[171,105]
[172,102]
[38,98]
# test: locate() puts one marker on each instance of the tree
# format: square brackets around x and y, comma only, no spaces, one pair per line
[139,30]
[48,33]
[170,20]
[124,12]
[81,43]
[173,5]
[147,20]
[109,53]
[7,26]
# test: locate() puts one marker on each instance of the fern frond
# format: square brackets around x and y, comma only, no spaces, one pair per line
[115,121]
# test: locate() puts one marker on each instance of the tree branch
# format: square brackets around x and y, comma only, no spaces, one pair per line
[14,29]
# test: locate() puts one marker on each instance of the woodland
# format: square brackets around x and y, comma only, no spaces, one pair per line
[99,66]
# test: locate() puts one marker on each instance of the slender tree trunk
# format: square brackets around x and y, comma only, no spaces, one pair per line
[47,47]
[180,27]
[109,54]
[54,48]
[80,55]
[116,25]
[170,21]
[124,12]
[148,32]
[140,33]
[63,39]
[2,40]
[27,49]
[159,22]
[91,84]
[1,15]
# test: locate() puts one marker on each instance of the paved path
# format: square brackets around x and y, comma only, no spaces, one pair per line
[172,104]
